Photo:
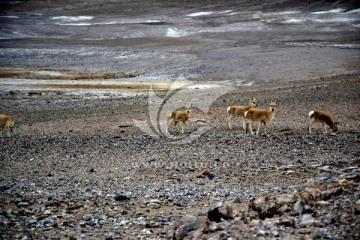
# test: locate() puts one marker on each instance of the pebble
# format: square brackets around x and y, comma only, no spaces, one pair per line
[262,232]
[23,204]
[307,220]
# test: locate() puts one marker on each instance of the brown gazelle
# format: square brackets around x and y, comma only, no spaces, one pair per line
[324,119]
[179,117]
[238,111]
[6,124]
[260,115]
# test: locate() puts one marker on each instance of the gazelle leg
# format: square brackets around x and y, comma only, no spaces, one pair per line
[309,125]
[229,121]
[325,129]
[250,127]
[182,127]
[259,126]
[179,126]
[176,126]
[168,125]
[247,128]
[265,127]
[244,123]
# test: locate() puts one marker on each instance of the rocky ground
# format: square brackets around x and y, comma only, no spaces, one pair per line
[80,165]
[84,170]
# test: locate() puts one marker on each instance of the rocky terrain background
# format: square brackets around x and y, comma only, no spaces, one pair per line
[85,171]
[78,167]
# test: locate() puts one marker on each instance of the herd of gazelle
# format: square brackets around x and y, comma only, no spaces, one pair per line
[253,114]
[250,113]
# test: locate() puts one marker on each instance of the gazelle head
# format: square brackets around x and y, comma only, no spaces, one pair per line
[253,102]
[273,105]
[188,107]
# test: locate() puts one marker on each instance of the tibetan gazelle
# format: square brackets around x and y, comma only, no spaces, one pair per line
[324,119]
[238,111]
[179,117]
[6,124]
[260,115]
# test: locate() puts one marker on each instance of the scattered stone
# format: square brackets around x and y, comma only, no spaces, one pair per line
[208,174]
[75,207]
[121,198]
[23,204]
[307,220]
[313,206]
[5,187]
[218,214]
[53,204]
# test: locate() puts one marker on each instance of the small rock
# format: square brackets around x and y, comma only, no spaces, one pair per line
[47,212]
[208,174]
[299,207]
[303,231]
[23,204]
[32,221]
[287,222]
[187,225]
[307,220]
[121,198]
[214,214]
[322,203]
[275,233]
[262,232]
[284,208]
[79,217]
[124,222]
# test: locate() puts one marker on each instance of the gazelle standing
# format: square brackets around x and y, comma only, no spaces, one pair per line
[260,115]
[323,118]
[6,124]
[238,111]
[179,117]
